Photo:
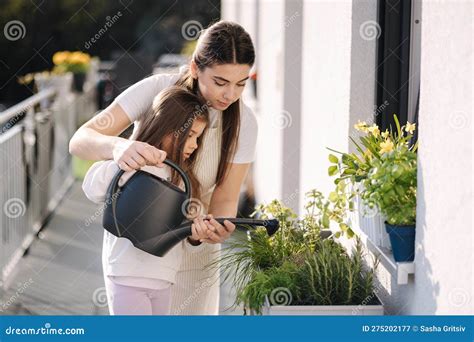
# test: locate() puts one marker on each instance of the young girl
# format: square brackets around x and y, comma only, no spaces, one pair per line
[138,283]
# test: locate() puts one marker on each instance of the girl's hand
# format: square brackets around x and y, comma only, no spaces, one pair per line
[133,155]
[206,229]
[217,233]
[199,231]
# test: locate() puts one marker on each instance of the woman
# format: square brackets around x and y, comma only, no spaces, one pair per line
[218,71]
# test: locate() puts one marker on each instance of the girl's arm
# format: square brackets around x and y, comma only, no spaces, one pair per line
[97,180]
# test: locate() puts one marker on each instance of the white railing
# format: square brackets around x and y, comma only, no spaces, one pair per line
[35,166]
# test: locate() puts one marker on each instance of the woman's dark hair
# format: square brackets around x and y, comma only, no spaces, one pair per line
[173,112]
[224,42]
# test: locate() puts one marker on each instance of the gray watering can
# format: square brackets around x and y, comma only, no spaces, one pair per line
[148,211]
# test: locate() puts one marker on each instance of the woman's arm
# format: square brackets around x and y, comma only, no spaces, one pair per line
[224,203]
[98,139]
[225,198]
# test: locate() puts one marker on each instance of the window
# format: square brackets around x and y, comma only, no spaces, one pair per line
[398,54]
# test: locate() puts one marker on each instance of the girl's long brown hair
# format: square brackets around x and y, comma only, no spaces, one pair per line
[222,43]
[173,112]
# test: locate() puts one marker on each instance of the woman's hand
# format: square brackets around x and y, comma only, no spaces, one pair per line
[133,155]
[207,229]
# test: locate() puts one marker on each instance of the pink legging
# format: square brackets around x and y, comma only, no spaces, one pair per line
[132,300]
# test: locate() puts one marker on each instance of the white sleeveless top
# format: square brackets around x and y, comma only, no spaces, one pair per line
[196,290]
[207,161]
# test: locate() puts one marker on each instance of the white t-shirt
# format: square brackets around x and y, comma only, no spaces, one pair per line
[138,98]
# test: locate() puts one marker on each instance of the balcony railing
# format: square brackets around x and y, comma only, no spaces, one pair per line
[35,166]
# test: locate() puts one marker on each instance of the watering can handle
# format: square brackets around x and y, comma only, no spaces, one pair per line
[113,190]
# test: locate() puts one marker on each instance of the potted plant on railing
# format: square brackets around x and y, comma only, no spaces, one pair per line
[39,81]
[76,62]
[298,270]
[385,169]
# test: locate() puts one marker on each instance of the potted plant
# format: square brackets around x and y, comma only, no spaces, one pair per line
[385,169]
[76,62]
[55,78]
[39,81]
[298,270]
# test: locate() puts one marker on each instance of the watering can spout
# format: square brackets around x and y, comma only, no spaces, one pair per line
[164,242]
[243,224]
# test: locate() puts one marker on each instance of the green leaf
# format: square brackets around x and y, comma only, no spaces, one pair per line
[344,227]
[325,221]
[333,159]
[333,196]
[357,145]
[397,123]
[350,233]
[349,172]
[332,170]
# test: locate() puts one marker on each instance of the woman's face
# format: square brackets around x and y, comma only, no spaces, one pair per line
[222,84]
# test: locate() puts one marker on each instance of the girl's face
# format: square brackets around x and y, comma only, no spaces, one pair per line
[191,142]
[223,84]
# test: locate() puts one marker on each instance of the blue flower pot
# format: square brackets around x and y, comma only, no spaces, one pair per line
[402,239]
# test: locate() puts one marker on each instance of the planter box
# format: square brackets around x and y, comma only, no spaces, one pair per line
[321,310]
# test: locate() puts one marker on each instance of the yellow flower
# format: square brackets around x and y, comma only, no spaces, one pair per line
[386,146]
[361,126]
[410,128]
[60,57]
[78,57]
[385,134]
[374,129]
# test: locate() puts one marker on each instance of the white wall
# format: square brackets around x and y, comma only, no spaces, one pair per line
[337,90]
[268,171]
[229,10]
[444,257]
[325,89]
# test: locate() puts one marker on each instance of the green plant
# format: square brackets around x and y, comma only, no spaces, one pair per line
[330,276]
[326,276]
[262,283]
[242,258]
[315,271]
[382,171]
